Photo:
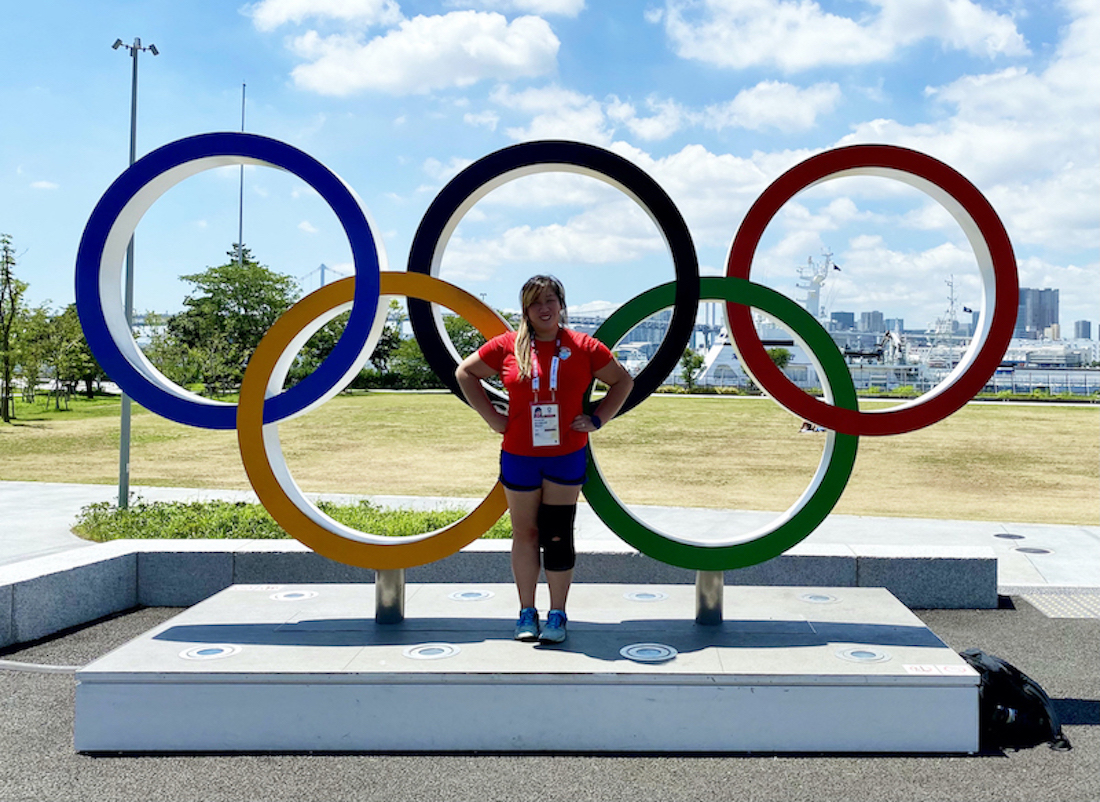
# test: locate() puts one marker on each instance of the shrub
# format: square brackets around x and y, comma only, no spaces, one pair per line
[240,520]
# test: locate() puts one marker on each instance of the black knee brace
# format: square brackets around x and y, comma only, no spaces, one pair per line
[555,522]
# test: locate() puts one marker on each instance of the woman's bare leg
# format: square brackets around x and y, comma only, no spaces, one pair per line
[523,507]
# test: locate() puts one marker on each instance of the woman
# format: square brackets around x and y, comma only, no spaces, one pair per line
[546,369]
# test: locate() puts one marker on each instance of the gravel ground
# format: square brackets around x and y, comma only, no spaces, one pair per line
[37,761]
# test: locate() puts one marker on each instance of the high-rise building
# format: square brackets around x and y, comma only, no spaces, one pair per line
[871,321]
[1037,311]
[1082,330]
[843,321]
[895,324]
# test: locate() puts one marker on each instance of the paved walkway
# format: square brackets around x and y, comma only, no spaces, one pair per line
[36,520]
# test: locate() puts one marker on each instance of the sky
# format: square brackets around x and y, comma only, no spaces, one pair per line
[714,99]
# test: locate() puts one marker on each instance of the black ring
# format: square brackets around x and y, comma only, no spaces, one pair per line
[477,180]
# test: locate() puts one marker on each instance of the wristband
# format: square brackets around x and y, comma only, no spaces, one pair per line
[596,421]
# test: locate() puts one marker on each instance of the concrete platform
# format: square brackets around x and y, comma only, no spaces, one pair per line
[261,668]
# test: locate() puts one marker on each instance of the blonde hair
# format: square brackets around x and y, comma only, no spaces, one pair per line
[527,296]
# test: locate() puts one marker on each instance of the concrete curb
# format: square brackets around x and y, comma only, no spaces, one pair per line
[41,596]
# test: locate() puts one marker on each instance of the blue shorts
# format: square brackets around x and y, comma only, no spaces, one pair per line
[527,473]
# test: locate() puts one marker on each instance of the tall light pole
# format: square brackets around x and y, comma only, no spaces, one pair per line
[124,433]
[240,207]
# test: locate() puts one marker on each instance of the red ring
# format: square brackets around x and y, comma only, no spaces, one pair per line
[932,407]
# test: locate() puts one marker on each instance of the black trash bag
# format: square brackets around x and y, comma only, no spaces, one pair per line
[1014,711]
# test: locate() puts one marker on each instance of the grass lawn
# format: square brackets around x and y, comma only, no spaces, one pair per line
[998,462]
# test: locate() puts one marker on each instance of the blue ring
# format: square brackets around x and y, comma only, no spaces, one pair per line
[341,200]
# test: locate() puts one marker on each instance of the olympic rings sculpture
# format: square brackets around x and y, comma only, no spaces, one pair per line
[264,403]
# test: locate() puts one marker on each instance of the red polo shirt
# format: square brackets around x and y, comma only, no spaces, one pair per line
[580,356]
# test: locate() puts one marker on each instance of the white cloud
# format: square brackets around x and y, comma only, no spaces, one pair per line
[43,185]
[602,309]
[772,104]
[1029,141]
[1028,138]
[607,234]
[876,276]
[712,190]
[800,35]
[668,117]
[268,15]
[484,119]
[307,227]
[445,172]
[958,24]
[556,113]
[565,8]
[427,53]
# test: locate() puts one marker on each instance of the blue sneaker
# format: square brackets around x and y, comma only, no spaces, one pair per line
[554,631]
[527,628]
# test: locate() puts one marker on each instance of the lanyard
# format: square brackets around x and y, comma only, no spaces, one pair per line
[553,369]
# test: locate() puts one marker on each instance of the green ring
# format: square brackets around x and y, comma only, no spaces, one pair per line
[833,471]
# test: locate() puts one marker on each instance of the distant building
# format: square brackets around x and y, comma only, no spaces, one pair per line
[843,321]
[871,321]
[1082,330]
[650,330]
[586,324]
[1037,311]
[895,324]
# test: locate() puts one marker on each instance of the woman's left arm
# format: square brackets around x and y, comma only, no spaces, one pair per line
[619,384]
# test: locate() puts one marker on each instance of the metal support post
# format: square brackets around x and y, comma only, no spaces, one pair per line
[709,587]
[389,596]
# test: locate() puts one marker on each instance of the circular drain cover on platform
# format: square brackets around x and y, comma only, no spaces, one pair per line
[431,651]
[646,596]
[213,651]
[1007,536]
[648,652]
[1032,550]
[295,595]
[471,595]
[863,654]
[818,598]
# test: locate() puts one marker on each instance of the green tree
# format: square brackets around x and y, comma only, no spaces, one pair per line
[176,360]
[223,321]
[409,363]
[31,342]
[780,356]
[463,334]
[690,363]
[67,358]
[75,364]
[11,293]
[391,337]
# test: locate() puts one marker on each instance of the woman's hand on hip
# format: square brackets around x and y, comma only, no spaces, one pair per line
[583,423]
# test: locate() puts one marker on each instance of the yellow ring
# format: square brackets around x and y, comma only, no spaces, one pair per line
[266,466]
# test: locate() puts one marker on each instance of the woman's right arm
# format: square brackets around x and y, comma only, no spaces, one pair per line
[469,375]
